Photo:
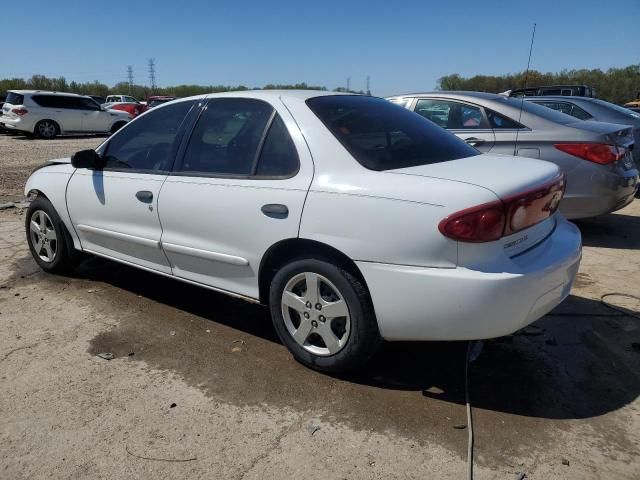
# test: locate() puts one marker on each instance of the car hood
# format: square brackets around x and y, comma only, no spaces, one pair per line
[504,175]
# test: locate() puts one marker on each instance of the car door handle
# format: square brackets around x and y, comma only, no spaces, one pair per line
[473,141]
[275,210]
[145,196]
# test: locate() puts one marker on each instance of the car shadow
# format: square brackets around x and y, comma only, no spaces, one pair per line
[614,230]
[574,363]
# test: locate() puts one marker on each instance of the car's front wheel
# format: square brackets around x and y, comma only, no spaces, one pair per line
[48,239]
[324,315]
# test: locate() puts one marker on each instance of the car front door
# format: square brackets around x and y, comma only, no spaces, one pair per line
[466,121]
[238,189]
[94,119]
[114,209]
[65,111]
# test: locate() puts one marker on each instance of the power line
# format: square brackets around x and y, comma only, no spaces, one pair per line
[130,77]
[152,74]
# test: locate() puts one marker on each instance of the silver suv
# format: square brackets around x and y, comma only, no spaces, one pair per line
[47,114]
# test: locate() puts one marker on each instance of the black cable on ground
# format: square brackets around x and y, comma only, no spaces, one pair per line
[618,309]
[467,398]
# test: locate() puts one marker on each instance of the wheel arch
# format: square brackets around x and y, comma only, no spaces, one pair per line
[290,249]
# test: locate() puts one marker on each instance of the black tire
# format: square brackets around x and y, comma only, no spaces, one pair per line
[363,338]
[46,129]
[65,257]
[117,126]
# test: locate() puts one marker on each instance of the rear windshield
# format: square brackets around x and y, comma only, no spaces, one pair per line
[539,110]
[384,136]
[624,111]
[14,98]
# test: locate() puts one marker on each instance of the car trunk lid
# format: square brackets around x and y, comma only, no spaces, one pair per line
[516,182]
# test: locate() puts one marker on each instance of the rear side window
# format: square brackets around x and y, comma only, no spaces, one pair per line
[451,115]
[56,101]
[226,138]
[146,144]
[14,98]
[279,157]
[498,121]
[384,136]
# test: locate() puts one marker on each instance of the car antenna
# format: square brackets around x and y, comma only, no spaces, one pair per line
[524,93]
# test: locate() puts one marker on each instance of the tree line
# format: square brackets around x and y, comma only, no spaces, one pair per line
[617,85]
[141,92]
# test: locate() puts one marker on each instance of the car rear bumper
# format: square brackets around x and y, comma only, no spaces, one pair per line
[10,123]
[607,193]
[417,303]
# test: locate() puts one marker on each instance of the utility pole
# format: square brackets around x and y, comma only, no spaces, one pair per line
[348,84]
[368,85]
[130,77]
[152,74]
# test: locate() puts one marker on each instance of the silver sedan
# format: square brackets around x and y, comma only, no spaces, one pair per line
[596,157]
[592,109]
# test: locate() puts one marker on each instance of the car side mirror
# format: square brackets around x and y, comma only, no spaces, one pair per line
[86,159]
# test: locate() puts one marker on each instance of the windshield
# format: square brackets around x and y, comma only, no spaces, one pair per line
[384,136]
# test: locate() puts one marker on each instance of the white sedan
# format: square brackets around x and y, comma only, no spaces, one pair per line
[353,219]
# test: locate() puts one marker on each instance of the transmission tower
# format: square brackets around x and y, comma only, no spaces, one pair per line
[152,74]
[348,84]
[368,85]
[130,77]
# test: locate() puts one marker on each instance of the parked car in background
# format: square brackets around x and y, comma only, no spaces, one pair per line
[48,114]
[156,100]
[595,109]
[3,97]
[564,90]
[309,224]
[634,109]
[595,156]
[98,99]
[120,99]
[133,109]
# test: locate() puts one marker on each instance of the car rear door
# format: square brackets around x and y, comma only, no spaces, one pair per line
[114,209]
[465,120]
[238,188]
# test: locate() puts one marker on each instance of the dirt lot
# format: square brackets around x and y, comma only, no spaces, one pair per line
[201,388]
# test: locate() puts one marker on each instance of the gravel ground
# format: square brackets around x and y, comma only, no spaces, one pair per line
[19,155]
[199,386]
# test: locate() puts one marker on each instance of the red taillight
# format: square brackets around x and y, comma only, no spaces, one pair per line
[491,221]
[594,152]
[20,111]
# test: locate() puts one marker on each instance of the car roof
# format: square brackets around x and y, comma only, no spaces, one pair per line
[453,94]
[274,94]
[44,92]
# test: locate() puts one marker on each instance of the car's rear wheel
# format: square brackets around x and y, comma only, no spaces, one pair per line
[324,315]
[117,126]
[46,129]
[48,239]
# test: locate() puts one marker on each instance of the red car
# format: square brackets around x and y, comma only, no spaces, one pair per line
[133,109]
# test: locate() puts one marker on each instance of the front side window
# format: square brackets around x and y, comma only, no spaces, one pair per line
[384,136]
[146,144]
[451,115]
[226,139]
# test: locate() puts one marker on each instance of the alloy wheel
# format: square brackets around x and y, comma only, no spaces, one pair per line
[315,314]
[43,236]
[46,129]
